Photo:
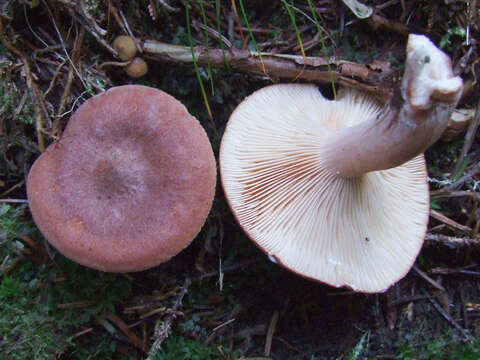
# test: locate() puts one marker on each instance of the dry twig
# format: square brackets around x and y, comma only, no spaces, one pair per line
[428,278]
[14,201]
[70,77]
[460,182]
[447,317]
[446,271]
[163,328]
[230,268]
[40,107]
[452,241]
[134,339]
[75,304]
[365,77]
[446,220]
[271,330]
[469,137]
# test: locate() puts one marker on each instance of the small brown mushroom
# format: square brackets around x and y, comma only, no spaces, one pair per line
[137,68]
[129,184]
[125,47]
[336,190]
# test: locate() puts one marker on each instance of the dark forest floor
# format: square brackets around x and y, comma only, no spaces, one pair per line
[222,298]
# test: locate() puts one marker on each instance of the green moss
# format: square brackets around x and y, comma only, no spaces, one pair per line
[28,330]
[443,347]
[11,102]
[32,324]
[180,348]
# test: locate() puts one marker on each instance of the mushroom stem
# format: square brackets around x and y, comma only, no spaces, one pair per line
[389,140]
[408,125]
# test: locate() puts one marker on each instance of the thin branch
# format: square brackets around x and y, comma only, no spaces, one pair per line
[280,65]
[452,241]
[41,110]
[428,278]
[271,331]
[134,339]
[70,77]
[130,33]
[450,222]
[14,201]
[447,317]
[163,328]
[458,193]
[447,271]
[466,178]
[469,137]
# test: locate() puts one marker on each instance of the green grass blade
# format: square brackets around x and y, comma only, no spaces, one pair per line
[195,63]
[462,168]
[222,45]
[250,32]
[291,14]
[209,65]
[325,54]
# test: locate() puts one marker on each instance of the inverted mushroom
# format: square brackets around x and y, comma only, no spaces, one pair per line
[129,184]
[336,190]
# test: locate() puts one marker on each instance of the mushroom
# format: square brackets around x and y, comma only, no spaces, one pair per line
[125,47]
[336,190]
[137,68]
[129,184]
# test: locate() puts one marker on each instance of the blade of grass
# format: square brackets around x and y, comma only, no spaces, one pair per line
[325,53]
[250,32]
[207,46]
[219,29]
[291,14]
[237,19]
[195,64]
[461,169]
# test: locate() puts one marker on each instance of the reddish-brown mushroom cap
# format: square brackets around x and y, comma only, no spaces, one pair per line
[130,183]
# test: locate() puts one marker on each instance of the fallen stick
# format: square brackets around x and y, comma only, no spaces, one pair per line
[452,241]
[369,77]
[163,328]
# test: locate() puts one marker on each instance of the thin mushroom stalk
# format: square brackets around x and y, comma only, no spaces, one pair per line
[406,127]
[336,190]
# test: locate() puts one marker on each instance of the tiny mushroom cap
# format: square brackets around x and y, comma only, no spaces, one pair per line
[137,68]
[125,47]
[331,189]
[129,184]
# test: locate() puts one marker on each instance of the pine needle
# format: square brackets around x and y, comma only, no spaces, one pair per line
[291,14]
[207,46]
[219,29]
[250,32]
[325,53]
[195,63]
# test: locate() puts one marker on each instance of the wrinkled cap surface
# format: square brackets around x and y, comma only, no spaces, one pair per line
[130,183]
[363,232]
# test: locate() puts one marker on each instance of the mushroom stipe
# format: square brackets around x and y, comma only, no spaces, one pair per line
[129,184]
